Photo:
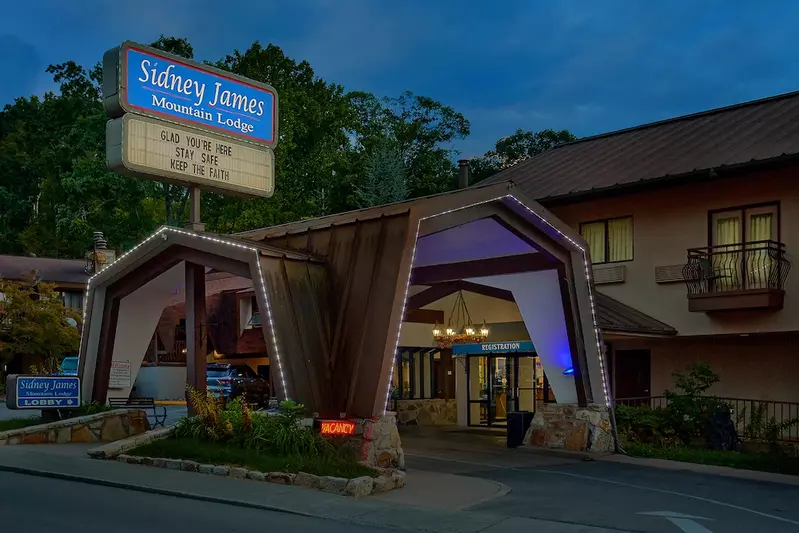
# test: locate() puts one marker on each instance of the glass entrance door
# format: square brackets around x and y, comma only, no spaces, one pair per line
[493,389]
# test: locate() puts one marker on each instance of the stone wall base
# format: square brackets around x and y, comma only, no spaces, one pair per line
[378,442]
[101,427]
[571,427]
[431,412]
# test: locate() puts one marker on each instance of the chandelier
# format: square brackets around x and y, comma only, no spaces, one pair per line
[460,328]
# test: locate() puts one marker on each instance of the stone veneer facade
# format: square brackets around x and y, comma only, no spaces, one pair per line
[571,427]
[378,442]
[432,412]
[100,427]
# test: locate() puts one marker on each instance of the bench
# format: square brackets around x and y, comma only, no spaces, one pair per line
[141,403]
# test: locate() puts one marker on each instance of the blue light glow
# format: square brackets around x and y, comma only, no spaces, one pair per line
[569,371]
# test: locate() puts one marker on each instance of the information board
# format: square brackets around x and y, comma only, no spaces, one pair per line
[153,149]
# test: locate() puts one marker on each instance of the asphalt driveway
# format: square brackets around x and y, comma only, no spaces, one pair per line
[606,494]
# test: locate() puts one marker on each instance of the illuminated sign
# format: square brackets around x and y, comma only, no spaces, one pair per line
[154,149]
[494,347]
[141,79]
[37,392]
[336,427]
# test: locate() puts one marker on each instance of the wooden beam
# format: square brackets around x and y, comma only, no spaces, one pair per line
[442,290]
[495,266]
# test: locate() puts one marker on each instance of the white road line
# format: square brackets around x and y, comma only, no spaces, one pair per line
[618,483]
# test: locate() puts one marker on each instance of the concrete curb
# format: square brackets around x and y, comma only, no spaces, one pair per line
[152,490]
[502,491]
[713,470]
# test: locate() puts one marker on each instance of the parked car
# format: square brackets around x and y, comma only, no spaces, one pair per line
[69,367]
[231,381]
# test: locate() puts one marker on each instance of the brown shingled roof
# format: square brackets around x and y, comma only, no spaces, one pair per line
[616,317]
[727,137]
[15,267]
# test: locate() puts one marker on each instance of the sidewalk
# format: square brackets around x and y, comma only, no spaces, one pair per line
[390,511]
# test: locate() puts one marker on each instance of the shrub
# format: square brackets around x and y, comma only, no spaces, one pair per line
[237,424]
[644,425]
[691,412]
[765,429]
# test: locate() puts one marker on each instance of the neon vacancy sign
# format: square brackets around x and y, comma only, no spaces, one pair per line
[140,79]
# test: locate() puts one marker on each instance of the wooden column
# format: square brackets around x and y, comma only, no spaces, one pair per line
[195,328]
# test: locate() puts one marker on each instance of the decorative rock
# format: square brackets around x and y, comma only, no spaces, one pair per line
[3,442]
[148,461]
[306,480]
[220,470]
[122,458]
[398,480]
[571,427]
[281,478]
[35,438]
[336,485]
[63,435]
[206,469]
[14,440]
[359,487]
[173,464]
[382,484]
[256,476]
[135,459]
[112,429]
[189,466]
[159,462]
[82,434]
[238,473]
[432,412]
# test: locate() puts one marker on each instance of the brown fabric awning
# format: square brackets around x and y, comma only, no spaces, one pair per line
[748,133]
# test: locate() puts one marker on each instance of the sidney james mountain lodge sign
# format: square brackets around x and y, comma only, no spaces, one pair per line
[187,123]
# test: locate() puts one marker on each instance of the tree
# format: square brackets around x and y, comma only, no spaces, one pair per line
[514,149]
[34,322]
[423,130]
[384,177]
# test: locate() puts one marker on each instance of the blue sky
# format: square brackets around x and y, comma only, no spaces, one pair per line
[588,66]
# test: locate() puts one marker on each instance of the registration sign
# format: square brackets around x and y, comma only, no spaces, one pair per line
[42,392]
[141,79]
[150,148]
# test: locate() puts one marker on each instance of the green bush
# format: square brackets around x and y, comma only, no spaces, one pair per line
[642,424]
[237,424]
[690,410]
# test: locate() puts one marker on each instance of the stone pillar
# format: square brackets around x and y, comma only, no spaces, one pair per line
[379,442]
[571,427]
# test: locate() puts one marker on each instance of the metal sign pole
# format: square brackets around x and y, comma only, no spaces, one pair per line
[194,210]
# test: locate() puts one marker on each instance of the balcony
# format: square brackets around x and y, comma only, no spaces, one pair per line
[748,275]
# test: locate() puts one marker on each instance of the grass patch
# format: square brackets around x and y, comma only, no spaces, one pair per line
[19,423]
[763,462]
[208,452]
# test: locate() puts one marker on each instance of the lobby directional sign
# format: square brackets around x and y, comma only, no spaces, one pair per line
[144,80]
[42,392]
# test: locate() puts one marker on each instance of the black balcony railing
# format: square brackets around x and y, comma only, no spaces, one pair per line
[736,267]
[753,418]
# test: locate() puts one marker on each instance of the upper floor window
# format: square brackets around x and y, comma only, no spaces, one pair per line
[609,240]
[744,224]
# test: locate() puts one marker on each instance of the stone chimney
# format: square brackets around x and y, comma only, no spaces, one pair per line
[463,173]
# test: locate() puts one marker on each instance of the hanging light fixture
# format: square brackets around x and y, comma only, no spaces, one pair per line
[460,328]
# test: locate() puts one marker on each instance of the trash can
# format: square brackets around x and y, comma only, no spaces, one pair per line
[518,424]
